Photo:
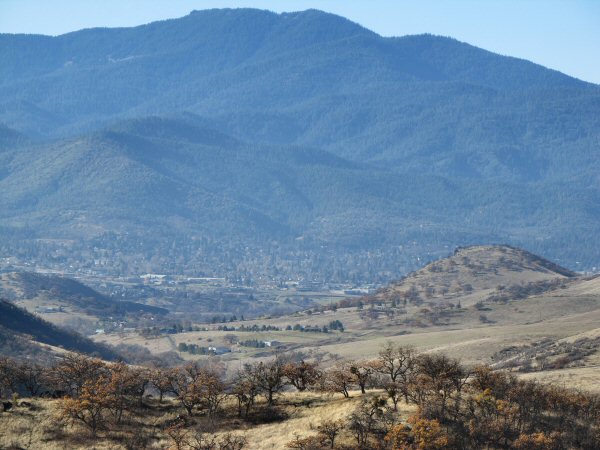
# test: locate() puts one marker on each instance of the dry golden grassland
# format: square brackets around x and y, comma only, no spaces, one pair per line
[548,315]
[38,427]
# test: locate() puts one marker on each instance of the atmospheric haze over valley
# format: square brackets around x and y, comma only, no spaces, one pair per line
[242,229]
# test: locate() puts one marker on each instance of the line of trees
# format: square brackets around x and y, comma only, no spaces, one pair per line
[194,349]
[456,406]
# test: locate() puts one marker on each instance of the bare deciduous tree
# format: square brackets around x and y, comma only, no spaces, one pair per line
[363,371]
[301,375]
[329,430]
[338,378]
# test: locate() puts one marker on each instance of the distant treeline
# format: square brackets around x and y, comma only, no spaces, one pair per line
[194,349]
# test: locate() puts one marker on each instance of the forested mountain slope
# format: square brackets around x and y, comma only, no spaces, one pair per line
[249,126]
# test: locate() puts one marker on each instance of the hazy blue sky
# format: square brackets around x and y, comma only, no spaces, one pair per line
[563,35]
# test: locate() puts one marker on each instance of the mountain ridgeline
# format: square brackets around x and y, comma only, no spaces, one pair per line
[296,135]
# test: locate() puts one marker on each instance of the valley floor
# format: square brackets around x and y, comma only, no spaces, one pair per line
[524,325]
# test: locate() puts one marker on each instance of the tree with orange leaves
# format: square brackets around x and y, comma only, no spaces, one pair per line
[162,380]
[338,378]
[89,406]
[199,387]
[301,375]
[419,434]
[538,441]
[74,370]
[123,383]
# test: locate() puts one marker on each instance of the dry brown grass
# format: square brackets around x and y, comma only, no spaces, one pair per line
[584,378]
[304,420]
[39,428]
[35,428]
[481,268]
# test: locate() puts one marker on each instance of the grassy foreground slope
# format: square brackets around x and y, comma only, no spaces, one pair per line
[405,400]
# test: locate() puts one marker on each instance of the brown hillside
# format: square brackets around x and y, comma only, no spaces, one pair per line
[21,333]
[474,273]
